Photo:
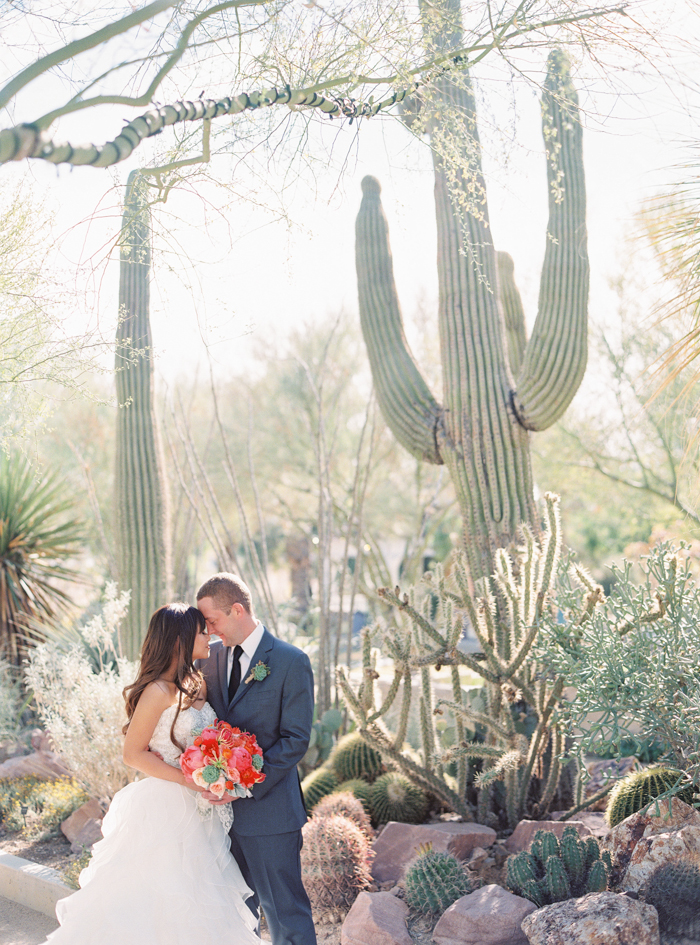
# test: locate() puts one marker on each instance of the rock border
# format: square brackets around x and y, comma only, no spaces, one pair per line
[31,885]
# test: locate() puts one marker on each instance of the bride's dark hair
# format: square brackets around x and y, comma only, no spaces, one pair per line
[173,629]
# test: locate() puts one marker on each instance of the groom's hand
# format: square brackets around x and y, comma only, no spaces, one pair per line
[218,801]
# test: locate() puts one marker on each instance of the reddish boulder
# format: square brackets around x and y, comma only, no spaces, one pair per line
[72,826]
[667,816]
[376,919]
[397,844]
[88,835]
[489,916]
[603,918]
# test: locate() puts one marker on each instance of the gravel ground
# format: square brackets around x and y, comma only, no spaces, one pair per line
[22,926]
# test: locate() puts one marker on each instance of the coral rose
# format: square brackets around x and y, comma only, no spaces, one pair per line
[241,759]
[191,759]
[218,787]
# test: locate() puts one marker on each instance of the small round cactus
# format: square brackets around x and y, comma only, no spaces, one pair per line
[335,861]
[638,789]
[360,788]
[347,805]
[394,797]
[353,758]
[316,785]
[674,891]
[434,881]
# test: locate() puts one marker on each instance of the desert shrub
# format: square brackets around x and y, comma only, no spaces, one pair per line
[632,658]
[79,697]
[35,806]
[10,702]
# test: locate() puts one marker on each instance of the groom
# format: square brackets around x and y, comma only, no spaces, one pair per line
[265,686]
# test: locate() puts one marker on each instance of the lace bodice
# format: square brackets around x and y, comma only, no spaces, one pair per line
[187,720]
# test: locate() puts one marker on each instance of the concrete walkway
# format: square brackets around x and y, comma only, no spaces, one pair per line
[22,926]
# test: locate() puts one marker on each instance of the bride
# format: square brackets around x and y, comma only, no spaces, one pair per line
[164,873]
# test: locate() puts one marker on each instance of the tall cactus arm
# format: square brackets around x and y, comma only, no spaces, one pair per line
[412,413]
[513,312]
[555,357]
[140,493]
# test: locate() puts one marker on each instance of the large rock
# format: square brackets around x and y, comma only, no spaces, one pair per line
[44,765]
[72,826]
[594,820]
[489,916]
[376,919]
[603,918]
[521,838]
[651,852]
[667,816]
[88,835]
[397,844]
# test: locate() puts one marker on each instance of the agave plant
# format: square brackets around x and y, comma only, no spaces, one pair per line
[38,534]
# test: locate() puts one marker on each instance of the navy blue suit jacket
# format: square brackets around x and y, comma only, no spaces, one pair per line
[278,710]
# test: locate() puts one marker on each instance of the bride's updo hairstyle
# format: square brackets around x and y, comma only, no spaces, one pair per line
[172,630]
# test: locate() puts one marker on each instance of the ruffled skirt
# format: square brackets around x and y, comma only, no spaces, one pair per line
[162,875]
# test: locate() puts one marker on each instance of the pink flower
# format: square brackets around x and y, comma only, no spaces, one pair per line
[191,759]
[198,778]
[241,759]
[233,774]
[218,787]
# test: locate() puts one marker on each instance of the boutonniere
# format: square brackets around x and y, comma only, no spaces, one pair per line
[258,672]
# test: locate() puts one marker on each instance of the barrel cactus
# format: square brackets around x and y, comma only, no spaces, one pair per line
[335,862]
[346,805]
[394,797]
[674,891]
[354,758]
[638,789]
[316,785]
[433,881]
[554,870]
[359,788]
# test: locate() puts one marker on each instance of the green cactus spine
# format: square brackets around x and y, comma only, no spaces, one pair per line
[674,891]
[347,805]
[143,542]
[434,881]
[493,397]
[335,861]
[359,788]
[556,870]
[316,785]
[354,758]
[394,797]
[635,791]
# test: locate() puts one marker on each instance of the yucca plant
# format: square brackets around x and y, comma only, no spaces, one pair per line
[39,533]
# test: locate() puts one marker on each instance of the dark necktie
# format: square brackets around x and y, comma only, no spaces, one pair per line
[235,678]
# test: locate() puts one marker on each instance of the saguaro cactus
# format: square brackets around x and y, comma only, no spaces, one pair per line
[497,386]
[141,498]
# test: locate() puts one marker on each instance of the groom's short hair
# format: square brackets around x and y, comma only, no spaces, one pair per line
[226,590]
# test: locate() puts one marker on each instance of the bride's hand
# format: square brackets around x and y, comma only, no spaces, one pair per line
[218,801]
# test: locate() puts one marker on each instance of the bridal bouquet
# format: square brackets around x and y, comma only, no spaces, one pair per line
[223,760]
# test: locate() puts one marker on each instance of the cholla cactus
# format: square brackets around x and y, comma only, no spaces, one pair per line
[529,769]
[335,861]
[553,871]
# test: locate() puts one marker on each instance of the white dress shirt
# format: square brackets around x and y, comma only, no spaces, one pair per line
[249,646]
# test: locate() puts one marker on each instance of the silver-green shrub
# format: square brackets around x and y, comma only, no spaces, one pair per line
[80,701]
[633,657]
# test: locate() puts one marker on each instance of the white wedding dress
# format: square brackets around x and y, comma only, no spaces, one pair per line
[164,873]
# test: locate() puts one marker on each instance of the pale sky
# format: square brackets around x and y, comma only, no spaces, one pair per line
[252,276]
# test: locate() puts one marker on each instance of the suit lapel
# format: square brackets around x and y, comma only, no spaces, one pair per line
[266,644]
